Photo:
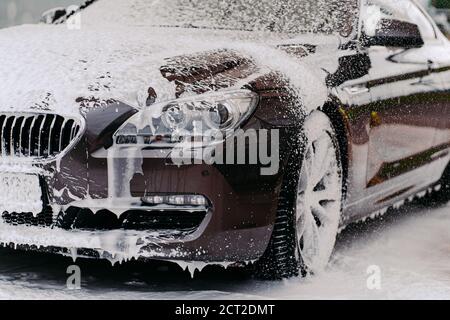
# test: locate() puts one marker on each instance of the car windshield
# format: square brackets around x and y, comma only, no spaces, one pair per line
[285,16]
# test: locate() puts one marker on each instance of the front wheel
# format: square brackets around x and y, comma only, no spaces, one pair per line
[309,208]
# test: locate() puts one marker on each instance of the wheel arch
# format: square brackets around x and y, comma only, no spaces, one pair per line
[333,110]
[340,124]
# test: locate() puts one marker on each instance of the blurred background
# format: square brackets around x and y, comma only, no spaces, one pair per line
[14,12]
[440,11]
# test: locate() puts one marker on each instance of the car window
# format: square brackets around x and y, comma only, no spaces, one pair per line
[404,10]
[416,15]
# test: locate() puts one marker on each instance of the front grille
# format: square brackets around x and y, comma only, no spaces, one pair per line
[36,135]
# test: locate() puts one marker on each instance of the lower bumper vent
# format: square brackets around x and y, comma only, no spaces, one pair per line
[84,219]
[43,219]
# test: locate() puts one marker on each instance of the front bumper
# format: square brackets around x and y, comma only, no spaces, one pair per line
[124,245]
[236,227]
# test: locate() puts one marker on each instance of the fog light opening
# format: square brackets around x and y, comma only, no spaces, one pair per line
[175,200]
[153,200]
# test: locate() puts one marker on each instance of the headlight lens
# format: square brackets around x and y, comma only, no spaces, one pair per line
[174,121]
[175,116]
[220,115]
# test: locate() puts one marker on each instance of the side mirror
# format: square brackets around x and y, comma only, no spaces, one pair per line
[52,15]
[395,33]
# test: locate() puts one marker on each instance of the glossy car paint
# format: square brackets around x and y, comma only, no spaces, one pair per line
[391,107]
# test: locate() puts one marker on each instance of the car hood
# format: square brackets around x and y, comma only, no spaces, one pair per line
[55,69]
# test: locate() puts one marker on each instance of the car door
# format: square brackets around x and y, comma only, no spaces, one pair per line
[435,53]
[439,55]
[441,66]
[443,69]
[405,109]
[397,115]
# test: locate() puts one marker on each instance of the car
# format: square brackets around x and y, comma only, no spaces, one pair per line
[216,132]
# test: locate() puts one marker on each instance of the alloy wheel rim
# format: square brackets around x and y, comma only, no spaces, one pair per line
[319,198]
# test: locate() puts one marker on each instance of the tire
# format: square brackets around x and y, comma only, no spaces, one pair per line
[309,208]
[440,195]
[443,195]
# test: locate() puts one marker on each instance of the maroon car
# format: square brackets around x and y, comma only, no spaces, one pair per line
[218,132]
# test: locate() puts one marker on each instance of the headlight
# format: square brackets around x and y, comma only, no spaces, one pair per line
[171,122]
